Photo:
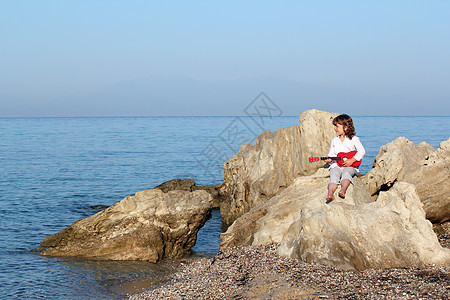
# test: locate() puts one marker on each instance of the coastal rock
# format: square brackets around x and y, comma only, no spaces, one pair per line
[350,233]
[149,226]
[391,232]
[270,221]
[177,184]
[260,171]
[215,190]
[428,169]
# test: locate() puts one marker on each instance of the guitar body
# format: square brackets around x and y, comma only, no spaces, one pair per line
[347,155]
[340,159]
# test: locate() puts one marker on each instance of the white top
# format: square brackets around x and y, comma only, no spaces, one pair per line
[347,145]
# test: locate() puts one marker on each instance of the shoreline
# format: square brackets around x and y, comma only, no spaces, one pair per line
[247,272]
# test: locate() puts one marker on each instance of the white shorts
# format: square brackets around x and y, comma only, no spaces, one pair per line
[339,173]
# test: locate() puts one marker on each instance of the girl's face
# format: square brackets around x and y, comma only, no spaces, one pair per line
[340,130]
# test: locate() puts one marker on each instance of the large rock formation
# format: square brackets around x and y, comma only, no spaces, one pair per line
[428,169]
[151,225]
[270,221]
[350,233]
[392,232]
[260,171]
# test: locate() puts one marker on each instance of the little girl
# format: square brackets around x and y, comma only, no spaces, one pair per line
[345,141]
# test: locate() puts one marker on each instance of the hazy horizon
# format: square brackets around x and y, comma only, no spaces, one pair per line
[146,58]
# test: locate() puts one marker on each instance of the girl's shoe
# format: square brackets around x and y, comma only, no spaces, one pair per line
[329,199]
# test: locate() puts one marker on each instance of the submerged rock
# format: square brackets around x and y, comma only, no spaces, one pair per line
[149,226]
[259,172]
[428,169]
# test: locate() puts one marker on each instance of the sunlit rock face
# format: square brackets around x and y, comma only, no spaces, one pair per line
[422,165]
[352,233]
[258,172]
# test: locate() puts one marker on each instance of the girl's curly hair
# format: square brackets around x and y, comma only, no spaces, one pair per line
[347,122]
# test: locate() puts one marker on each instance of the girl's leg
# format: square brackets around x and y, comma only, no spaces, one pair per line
[331,189]
[344,186]
[335,175]
[347,178]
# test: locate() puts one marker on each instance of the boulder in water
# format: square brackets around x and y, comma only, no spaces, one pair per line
[149,226]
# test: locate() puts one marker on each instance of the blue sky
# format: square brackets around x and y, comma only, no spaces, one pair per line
[101,58]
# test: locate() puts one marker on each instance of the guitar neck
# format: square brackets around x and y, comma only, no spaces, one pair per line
[332,158]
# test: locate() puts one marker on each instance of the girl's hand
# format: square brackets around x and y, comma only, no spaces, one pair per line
[328,160]
[349,162]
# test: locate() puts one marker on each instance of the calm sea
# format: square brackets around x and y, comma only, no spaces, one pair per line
[55,171]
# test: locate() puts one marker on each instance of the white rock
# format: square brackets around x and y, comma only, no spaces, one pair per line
[350,233]
[392,232]
[428,169]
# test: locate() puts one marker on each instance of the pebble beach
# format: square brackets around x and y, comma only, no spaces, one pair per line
[259,273]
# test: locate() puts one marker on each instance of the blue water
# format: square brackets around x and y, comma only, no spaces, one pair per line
[55,171]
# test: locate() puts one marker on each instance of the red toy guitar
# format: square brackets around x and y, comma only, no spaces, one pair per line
[340,159]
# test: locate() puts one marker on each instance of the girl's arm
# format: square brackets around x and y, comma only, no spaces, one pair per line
[359,148]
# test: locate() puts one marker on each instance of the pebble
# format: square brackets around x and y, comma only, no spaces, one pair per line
[247,272]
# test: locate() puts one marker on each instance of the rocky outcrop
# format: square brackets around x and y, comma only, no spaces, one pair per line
[270,221]
[428,169]
[260,171]
[149,226]
[350,233]
[391,232]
